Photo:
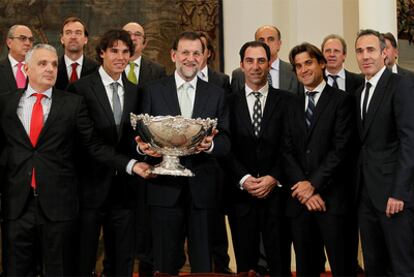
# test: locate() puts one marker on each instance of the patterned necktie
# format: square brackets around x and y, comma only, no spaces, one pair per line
[36,125]
[131,74]
[257,113]
[310,110]
[184,99]
[20,78]
[269,79]
[116,104]
[334,83]
[74,75]
[365,103]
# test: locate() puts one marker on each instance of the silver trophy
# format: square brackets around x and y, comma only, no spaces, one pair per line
[172,137]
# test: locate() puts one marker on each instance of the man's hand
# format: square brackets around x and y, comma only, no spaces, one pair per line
[259,187]
[142,169]
[316,204]
[302,190]
[394,206]
[146,148]
[207,141]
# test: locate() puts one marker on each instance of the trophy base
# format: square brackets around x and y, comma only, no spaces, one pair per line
[170,165]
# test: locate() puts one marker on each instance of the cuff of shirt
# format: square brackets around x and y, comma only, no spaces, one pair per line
[242,180]
[130,165]
[140,152]
[210,149]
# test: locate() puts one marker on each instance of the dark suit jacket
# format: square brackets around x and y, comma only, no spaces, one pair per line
[353,82]
[387,138]
[405,72]
[219,79]
[287,79]
[62,80]
[257,156]
[150,71]
[160,98]
[53,157]
[7,80]
[99,182]
[319,154]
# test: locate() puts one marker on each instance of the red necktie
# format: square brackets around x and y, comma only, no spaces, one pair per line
[74,75]
[20,78]
[36,125]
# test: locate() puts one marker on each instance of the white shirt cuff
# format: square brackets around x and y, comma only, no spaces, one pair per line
[130,165]
[242,180]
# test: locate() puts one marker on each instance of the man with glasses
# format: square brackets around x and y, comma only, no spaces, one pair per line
[12,75]
[73,64]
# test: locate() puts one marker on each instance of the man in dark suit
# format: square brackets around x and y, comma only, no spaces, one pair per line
[73,64]
[391,52]
[141,70]
[280,74]
[181,205]
[254,165]
[144,70]
[39,129]
[386,129]
[107,196]
[12,75]
[334,50]
[317,140]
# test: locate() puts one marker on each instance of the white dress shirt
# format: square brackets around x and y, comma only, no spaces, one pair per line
[203,74]
[13,64]
[136,69]
[374,81]
[316,97]
[69,63]
[340,80]
[107,81]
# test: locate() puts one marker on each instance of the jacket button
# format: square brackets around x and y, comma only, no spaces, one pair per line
[308,151]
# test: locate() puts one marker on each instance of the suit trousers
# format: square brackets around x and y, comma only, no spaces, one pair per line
[246,231]
[118,231]
[308,229]
[33,235]
[168,226]
[387,242]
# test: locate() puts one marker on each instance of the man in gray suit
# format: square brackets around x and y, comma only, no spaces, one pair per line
[280,75]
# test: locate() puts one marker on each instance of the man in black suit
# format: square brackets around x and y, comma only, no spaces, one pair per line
[334,50]
[317,140]
[386,163]
[254,165]
[107,196]
[39,129]
[391,52]
[141,70]
[280,73]
[73,64]
[181,205]
[144,70]
[12,75]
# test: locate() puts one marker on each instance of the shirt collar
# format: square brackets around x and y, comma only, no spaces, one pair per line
[137,61]
[180,81]
[107,80]
[69,62]
[275,65]
[341,73]
[263,90]
[30,91]
[13,61]
[319,88]
[204,71]
[394,68]
[374,79]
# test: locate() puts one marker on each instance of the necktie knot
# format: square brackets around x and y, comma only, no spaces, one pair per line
[39,96]
[257,94]
[131,73]
[74,74]
[74,66]
[19,65]
[334,77]
[114,86]
[132,65]
[368,86]
[311,93]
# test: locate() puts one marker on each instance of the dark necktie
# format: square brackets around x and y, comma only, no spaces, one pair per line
[334,83]
[116,104]
[365,102]
[74,75]
[310,110]
[36,125]
[257,113]
[269,79]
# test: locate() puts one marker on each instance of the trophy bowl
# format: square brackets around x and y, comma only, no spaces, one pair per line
[172,137]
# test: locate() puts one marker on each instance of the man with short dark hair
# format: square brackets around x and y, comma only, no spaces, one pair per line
[182,205]
[73,64]
[12,74]
[386,130]
[392,53]
[107,197]
[319,130]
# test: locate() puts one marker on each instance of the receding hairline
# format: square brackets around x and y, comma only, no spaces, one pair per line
[274,28]
[13,28]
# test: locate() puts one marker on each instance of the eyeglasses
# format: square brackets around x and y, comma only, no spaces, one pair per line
[24,38]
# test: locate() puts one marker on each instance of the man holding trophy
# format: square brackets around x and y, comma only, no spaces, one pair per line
[183,205]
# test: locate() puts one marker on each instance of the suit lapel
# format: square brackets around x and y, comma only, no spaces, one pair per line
[130,99]
[358,108]
[9,76]
[100,94]
[201,98]
[55,109]
[244,113]
[170,96]
[378,95]
[271,102]
[11,110]
[144,71]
